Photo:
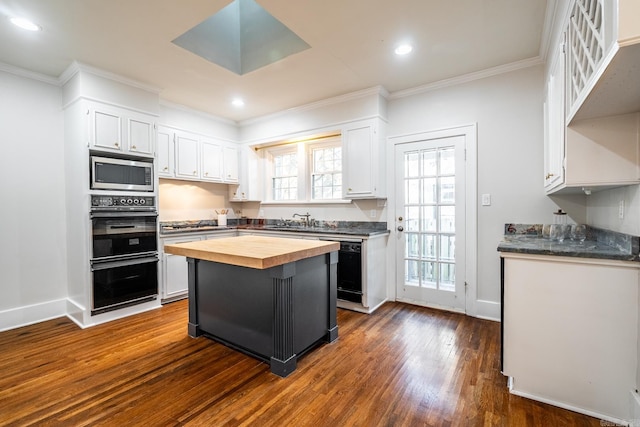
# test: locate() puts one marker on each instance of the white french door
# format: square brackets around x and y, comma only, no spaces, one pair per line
[430,219]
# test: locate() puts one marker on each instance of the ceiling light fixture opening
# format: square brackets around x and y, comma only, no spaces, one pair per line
[25,24]
[238,103]
[403,49]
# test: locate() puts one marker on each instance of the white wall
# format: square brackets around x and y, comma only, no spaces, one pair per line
[32,218]
[602,209]
[508,111]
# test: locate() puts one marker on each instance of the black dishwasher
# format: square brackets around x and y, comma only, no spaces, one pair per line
[350,272]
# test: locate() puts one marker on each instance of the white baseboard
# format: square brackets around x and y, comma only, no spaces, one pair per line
[635,409]
[563,405]
[30,314]
[489,310]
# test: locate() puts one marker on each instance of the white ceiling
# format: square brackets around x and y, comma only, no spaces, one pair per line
[352,44]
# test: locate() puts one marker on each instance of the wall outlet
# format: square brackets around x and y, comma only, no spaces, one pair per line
[486,200]
[621,209]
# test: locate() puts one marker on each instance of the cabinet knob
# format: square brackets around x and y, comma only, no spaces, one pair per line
[133,147]
[116,145]
[166,168]
[400,228]
[206,174]
[349,189]
[195,172]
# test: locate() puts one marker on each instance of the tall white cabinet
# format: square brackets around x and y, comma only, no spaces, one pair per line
[100,116]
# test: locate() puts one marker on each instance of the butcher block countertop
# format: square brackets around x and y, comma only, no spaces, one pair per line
[258,252]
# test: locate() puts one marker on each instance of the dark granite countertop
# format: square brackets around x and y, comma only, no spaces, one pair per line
[347,228]
[601,244]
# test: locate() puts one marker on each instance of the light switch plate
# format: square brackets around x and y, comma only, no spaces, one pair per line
[486,200]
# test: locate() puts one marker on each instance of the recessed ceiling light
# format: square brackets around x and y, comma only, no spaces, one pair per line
[403,49]
[237,103]
[25,24]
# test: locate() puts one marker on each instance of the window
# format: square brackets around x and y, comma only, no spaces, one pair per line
[285,176]
[326,174]
[305,171]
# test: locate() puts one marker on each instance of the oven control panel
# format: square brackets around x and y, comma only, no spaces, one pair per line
[127,202]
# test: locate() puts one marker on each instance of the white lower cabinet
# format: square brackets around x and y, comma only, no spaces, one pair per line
[174,283]
[174,277]
[570,332]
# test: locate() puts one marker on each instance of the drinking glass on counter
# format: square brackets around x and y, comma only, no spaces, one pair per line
[579,232]
[558,232]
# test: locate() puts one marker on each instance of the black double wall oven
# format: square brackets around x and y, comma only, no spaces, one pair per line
[124,262]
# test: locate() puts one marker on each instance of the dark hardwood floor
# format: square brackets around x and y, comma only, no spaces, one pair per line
[401,366]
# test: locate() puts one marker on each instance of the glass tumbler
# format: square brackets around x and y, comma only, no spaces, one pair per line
[579,232]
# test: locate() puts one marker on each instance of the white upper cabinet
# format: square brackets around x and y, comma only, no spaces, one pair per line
[603,56]
[230,163]
[187,160]
[165,152]
[554,121]
[211,160]
[363,160]
[118,130]
[592,103]
[190,156]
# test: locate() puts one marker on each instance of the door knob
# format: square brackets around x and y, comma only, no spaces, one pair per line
[400,228]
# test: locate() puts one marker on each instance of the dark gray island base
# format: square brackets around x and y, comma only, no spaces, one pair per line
[274,314]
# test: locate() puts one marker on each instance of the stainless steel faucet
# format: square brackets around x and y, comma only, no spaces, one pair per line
[305,218]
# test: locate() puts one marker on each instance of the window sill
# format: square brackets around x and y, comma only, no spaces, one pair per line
[306,202]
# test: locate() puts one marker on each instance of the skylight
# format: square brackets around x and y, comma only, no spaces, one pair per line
[241,37]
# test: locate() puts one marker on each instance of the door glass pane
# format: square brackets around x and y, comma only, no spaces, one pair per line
[412,273]
[448,190]
[429,274]
[413,249]
[447,247]
[429,188]
[429,248]
[447,219]
[429,163]
[413,191]
[412,218]
[429,219]
[448,276]
[447,161]
[412,164]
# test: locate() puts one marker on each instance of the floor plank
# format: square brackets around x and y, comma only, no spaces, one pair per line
[401,366]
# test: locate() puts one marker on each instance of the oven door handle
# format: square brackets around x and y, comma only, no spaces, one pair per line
[123,214]
[96,266]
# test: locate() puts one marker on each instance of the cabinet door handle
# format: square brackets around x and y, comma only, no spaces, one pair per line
[116,145]
[549,175]
[133,147]
[195,172]
[206,174]
[166,168]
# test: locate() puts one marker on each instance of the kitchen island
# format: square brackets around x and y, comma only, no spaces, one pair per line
[271,298]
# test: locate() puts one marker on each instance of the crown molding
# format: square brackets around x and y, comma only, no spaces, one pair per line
[181,107]
[466,78]
[12,69]
[376,90]
[77,67]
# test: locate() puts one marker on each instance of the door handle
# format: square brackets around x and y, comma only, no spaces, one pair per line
[400,228]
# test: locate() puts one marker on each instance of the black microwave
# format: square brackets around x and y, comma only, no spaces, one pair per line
[109,173]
